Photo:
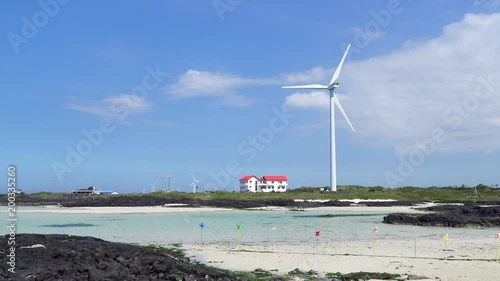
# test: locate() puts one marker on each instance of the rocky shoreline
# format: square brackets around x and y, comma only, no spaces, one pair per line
[75,258]
[148,201]
[467,215]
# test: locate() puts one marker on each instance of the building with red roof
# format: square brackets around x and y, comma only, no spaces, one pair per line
[252,183]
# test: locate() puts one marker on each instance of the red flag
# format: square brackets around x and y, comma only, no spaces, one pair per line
[497,235]
[375,229]
[317,233]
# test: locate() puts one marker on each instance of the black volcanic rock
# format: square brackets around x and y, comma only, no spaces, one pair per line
[71,200]
[70,258]
[134,200]
[468,215]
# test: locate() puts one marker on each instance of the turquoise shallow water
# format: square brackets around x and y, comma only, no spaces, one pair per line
[293,228]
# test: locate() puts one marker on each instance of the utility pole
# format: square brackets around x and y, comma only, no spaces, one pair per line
[168,183]
[163,186]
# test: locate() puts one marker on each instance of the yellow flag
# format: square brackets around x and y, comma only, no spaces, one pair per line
[445,238]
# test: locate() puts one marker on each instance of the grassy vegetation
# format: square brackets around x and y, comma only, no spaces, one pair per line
[409,193]
[175,252]
[46,195]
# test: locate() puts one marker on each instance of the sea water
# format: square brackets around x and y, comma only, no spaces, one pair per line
[292,227]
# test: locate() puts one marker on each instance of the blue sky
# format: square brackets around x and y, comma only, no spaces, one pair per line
[181,87]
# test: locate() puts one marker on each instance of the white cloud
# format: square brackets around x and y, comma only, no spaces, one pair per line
[136,104]
[400,98]
[493,121]
[117,108]
[224,86]
[196,83]
[308,100]
[314,75]
[487,3]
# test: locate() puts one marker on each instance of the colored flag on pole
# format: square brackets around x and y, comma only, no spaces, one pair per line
[445,238]
[497,235]
[202,225]
[238,226]
[274,228]
[375,230]
[317,234]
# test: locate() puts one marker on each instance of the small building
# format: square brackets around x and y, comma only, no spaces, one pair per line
[249,183]
[87,191]
[108,192]
[252,183]
[17,191]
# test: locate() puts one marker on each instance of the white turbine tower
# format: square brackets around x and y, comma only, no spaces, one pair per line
[333,101]
[194,183]
[152,186]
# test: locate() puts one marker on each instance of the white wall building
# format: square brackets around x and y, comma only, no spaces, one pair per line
[252,183]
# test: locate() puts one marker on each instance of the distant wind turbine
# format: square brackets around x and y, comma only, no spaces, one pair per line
[152,186]
[475,186]
[195,181]
[333,101]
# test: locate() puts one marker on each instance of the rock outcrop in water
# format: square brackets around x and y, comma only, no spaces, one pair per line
[468,215]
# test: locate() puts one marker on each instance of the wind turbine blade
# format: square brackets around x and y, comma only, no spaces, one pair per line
[337,102]
[193,176]
[309,87]
[339,67]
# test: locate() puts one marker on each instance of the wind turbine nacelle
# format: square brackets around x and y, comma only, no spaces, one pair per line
[334,86]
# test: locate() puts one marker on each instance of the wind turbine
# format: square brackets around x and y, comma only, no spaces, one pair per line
[475,186]
[152,186]
[194,183]
[333,101]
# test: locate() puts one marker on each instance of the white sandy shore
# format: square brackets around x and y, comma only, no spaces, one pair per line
[360,209]
[119,210]
[463,260]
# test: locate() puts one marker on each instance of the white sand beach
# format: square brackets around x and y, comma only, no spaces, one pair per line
[120,210]
[463,260]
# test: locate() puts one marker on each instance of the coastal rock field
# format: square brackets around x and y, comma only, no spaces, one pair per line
[71,258]
[467,215]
